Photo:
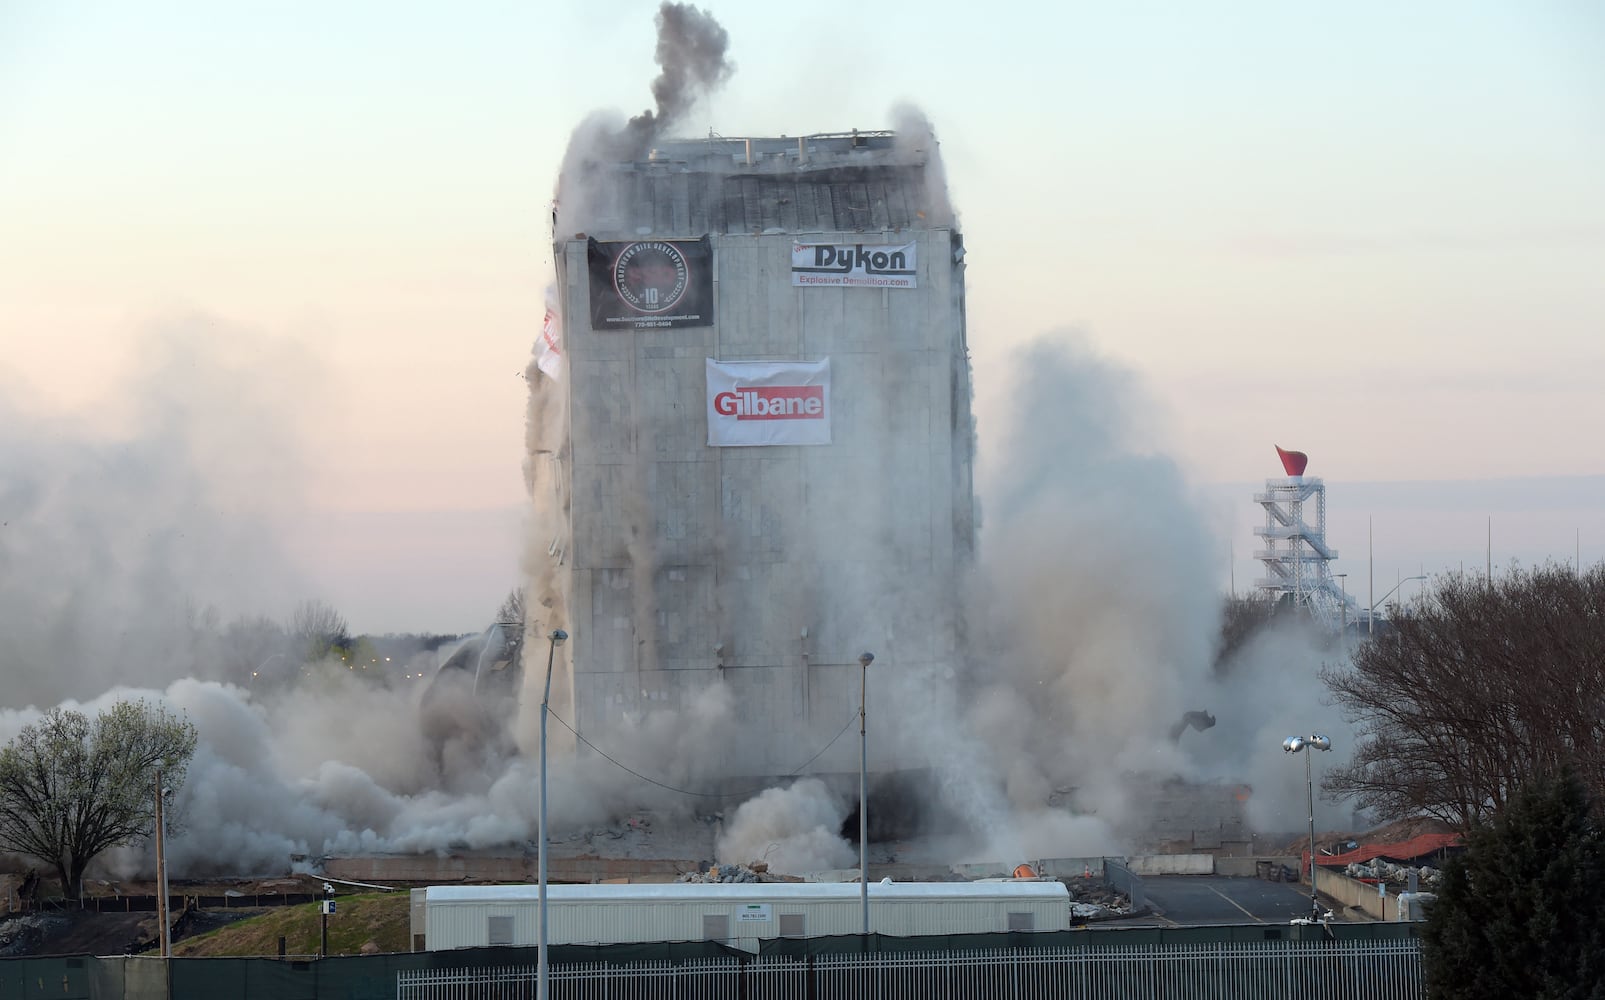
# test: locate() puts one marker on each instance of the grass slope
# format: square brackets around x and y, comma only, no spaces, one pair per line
[383,918]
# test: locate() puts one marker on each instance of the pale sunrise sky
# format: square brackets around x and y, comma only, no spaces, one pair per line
[1371,231]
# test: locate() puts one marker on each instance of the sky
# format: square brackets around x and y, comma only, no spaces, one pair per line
[1375,233]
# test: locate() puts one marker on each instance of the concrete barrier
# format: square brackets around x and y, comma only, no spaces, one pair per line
[1172,864]
[1353,894]
[1249,867]
[1071,868]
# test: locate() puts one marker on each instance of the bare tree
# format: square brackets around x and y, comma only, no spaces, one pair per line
[317,629]
[1476,689]
[512,609]
[70,788]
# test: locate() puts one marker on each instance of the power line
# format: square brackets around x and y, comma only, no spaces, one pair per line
[687,791]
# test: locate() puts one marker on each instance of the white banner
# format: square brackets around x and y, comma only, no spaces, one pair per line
[866,265]
[768,402]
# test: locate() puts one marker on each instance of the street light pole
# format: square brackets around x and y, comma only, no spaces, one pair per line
[543,981]
[1302,744]
[1371,615]
[1343,582]
[163,916]
[864,660]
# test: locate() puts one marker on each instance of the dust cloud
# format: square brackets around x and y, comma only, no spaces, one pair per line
[1089,624]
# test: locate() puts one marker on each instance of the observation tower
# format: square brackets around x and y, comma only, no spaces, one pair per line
[1296,557]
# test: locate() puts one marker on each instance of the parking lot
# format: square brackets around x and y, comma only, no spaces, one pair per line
[1210,899]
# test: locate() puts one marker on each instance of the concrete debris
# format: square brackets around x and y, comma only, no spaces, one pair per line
[1387,871]
[721,873]
[1096,900]
[757,871]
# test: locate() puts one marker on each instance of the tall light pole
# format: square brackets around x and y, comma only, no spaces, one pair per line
[1371,615]
[543,980]
[864,660]
[1302,744]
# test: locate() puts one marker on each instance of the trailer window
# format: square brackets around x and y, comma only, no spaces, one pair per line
[791,925]
[715,927]
[1022,922]
[500,931]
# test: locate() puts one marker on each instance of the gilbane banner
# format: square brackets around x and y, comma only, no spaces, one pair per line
[768,402]
[863,265]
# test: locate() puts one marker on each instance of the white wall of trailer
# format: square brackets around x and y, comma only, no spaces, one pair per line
[738,914]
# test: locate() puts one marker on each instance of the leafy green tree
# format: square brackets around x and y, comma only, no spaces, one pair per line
[1522,914]
[72,787]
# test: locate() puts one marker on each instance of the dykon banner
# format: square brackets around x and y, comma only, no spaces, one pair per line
[768,402]
[865,265]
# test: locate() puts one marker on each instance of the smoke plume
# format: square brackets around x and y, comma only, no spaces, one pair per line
[1097,612]
[128,536]
[691,57]
[792,829]
[1089,627]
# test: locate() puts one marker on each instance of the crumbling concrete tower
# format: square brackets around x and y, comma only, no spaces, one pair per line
[769,437]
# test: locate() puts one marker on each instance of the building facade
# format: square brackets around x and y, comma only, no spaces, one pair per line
[767,468]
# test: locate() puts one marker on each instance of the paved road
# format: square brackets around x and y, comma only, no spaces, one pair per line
[1212,899]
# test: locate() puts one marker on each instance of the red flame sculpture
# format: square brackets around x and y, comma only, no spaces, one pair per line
[1293,461]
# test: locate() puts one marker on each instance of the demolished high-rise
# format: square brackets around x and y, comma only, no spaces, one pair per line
[765,465]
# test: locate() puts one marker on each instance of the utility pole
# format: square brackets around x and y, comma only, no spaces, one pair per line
[163,916]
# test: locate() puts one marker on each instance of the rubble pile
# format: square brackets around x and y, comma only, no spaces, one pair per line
[1096,900]
[757,871]
[1386,871]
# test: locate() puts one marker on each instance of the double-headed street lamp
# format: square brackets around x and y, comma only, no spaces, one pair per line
[1303,744]
[864,660]
[543,982]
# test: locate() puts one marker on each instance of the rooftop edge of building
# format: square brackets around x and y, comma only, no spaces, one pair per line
[773,154]
[843,182]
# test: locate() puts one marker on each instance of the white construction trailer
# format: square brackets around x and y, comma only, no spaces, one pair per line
[738,914]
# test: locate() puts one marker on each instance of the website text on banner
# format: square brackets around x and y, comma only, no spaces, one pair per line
[754,403]
[864,265]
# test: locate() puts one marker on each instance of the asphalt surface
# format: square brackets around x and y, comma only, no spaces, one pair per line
[1210,899]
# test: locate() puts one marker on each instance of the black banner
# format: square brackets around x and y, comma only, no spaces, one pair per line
[651,284]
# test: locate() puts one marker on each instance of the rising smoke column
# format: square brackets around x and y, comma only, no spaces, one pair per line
[691,56]
[1095,615]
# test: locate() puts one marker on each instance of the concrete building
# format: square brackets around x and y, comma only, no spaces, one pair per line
[767,467]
